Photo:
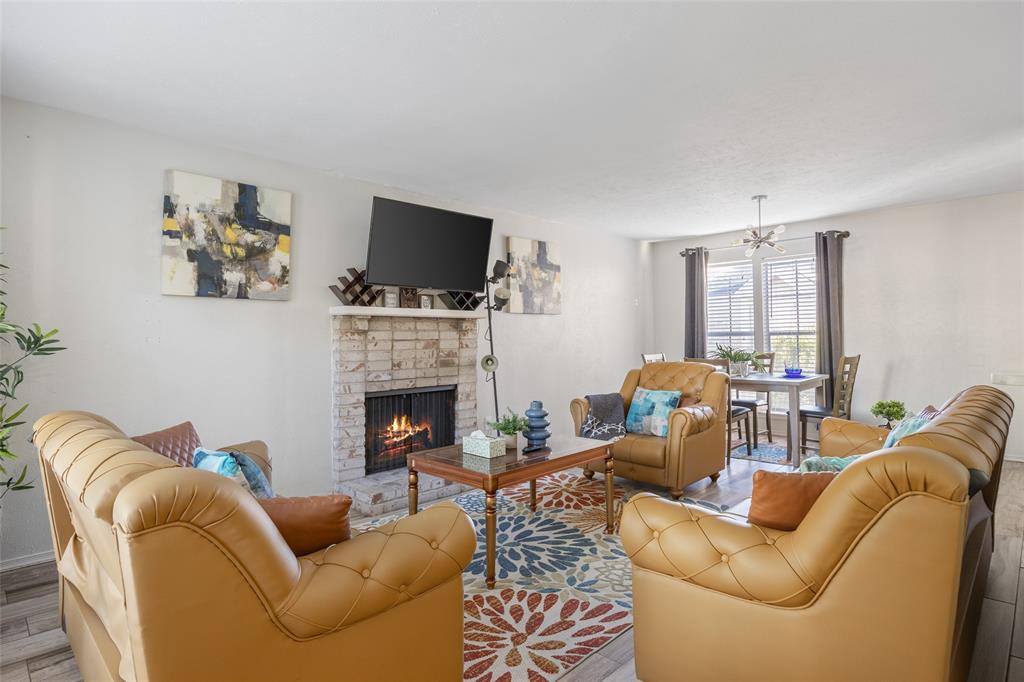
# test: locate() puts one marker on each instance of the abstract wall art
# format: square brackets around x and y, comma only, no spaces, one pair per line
[225,239]
[536,277]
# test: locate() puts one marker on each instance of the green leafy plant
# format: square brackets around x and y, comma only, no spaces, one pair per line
[31,341]
[510,424]
[737,355]
[889,410]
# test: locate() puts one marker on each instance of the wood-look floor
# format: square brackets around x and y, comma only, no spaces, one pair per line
[33,647]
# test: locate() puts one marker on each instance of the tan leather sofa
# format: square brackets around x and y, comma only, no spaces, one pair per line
[696,442]
[882,580]
[171,573]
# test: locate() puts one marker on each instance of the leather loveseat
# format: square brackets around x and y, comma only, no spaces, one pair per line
[882,580]
[697,430]
[171,573]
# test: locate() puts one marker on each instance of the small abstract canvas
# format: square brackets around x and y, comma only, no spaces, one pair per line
[225,239]
[536,278]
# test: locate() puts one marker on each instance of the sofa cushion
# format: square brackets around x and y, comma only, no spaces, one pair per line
[635,448]
[176,443]
[309,524]
[782,500]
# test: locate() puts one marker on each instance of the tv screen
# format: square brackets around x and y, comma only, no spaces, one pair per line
[427,248]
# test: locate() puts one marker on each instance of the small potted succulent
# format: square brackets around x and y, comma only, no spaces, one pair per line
[740,361]
[889,410]
[510,426]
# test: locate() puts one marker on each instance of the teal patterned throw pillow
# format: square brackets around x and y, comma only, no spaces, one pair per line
[810,464]
[237,466]
[649,410]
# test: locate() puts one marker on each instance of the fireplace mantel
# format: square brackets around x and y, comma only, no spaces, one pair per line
[378,311]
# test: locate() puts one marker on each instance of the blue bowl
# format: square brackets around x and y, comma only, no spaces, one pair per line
[794,372]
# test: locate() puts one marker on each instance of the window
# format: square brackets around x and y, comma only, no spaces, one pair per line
[766,304]
[789,293]
[731,305]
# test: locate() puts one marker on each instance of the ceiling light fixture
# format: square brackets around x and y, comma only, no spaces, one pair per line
[755,238]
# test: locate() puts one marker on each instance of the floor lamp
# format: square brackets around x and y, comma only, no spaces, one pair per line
[489,363]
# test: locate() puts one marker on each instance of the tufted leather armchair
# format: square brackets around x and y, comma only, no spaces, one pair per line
[697,430]
[883,579]
[171,573]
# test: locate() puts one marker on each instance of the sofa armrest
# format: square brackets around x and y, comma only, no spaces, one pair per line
[578,408]
[712,550]
[258,451]
[728,555]
[686,421]
[843,438]
[379,569]
[159,514]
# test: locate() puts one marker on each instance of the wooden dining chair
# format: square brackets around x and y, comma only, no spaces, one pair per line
[842,400]
[768,359]
[738,415]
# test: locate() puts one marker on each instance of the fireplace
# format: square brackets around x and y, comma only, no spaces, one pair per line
[406,420]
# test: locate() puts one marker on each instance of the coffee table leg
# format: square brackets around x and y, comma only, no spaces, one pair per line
[609,490]
[533,495]
[414,491]
[491,516]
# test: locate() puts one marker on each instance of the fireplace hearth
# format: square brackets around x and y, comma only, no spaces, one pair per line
[402,421]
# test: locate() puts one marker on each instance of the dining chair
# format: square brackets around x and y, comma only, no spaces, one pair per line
[738,415]
[842,400]
[652,357]
[768,359]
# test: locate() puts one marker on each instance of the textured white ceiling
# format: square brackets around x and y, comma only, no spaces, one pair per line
[649,120]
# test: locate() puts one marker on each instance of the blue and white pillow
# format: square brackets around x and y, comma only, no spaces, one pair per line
[649,411]
[903,428]
[237,466]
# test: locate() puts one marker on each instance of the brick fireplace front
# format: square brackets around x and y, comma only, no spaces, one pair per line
[380,351]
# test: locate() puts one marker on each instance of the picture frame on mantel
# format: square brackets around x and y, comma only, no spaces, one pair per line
[407,297]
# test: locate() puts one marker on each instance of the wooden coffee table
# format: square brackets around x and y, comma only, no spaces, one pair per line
[490,475]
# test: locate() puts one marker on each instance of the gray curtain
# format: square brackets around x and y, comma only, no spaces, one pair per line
[695,332]
[828,252]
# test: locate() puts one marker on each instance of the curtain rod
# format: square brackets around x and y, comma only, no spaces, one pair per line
[844,234]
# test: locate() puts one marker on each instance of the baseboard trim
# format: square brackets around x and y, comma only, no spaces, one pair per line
[1014,456]
[27,560]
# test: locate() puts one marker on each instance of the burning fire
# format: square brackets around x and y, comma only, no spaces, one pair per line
[401,428]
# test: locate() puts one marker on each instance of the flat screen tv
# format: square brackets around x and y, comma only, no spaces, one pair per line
[427,248]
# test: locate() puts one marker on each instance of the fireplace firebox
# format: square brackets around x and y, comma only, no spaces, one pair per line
[406,420]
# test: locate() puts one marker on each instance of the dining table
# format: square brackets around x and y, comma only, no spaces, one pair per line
[792,386]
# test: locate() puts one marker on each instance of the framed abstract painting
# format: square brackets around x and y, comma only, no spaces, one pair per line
[225,239]
[535,279]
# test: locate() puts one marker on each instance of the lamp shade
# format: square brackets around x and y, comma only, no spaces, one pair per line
[501,297]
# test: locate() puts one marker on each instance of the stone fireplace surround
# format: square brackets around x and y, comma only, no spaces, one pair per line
[383,349]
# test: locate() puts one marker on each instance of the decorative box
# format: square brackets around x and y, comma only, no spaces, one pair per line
[481,445]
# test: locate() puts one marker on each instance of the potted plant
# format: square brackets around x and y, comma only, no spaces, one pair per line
[740,361]
[889,410]
[31,341]
[510,426]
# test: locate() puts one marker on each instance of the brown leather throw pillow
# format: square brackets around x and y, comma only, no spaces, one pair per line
[176,443]
[309,524]
[782,500]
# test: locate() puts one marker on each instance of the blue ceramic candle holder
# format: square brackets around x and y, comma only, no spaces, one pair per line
[536,432]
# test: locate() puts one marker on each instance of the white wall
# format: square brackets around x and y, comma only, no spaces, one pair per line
[82,207]
[934,297]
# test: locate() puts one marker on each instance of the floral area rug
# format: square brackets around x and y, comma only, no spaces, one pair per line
[563,585]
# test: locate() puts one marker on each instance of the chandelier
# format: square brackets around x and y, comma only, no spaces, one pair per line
[755,238]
